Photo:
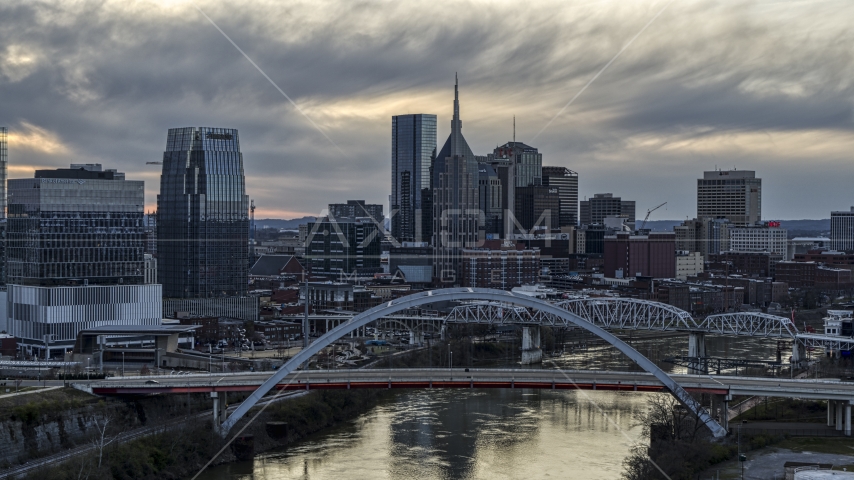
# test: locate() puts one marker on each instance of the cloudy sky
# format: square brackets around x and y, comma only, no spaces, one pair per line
[755,85]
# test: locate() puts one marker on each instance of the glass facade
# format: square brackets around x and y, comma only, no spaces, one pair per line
[413,143]
[202,215]
[57,314]
[75,227]
[528,162]
[344,247]
[3,160]
[566,182]
[457,219]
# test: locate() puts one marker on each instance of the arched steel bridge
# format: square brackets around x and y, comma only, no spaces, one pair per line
[608,313]
[557,314]
[628,314]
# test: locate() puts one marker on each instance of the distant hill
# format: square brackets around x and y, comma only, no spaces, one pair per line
[796,228]
[280,223]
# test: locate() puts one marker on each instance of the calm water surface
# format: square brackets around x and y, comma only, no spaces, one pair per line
[488,434]
[450,434]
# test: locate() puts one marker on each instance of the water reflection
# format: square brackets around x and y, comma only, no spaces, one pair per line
[449,434]
[495,434]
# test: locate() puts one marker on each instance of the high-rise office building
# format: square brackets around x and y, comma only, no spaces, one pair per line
[538,207]
[76,243]
[566,182]
[76,226]
[594,210]
[842,230]
[3,170]
[735,195]
[356,209]
[708,236]
[202,215]
[413,144]
[456,212]
[342,247]
[518,166]
[490,193]
[527,162]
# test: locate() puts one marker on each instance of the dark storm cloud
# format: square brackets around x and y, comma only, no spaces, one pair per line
[108,78]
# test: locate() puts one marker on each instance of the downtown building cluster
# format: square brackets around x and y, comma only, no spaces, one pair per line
[78,253]
[504,220]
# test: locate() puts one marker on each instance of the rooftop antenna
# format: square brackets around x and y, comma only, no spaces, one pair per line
[514,130]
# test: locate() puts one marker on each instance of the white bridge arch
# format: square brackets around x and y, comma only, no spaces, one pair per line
[616,313]
[418,299]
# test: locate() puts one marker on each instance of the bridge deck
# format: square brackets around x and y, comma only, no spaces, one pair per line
[477,378]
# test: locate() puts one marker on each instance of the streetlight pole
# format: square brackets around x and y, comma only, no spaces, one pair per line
[88,361]
[123,364]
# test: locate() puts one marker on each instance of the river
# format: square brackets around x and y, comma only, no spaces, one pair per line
[450,434]
[487,434]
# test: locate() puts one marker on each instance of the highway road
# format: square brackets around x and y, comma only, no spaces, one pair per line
[823,389]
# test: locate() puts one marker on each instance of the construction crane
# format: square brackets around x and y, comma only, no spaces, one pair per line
[647,214]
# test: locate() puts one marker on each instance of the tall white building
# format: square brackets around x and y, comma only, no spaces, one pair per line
[759,239]
[688,264]
[842,230]
[735,195]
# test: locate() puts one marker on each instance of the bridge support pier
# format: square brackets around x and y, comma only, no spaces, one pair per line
[720,410]
[847,428]
[831,413]
[416,338]
[798,354]
[697,349]
[531,352]
[220,408]
[839,414]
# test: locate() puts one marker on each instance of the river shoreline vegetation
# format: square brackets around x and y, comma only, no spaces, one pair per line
[181,451]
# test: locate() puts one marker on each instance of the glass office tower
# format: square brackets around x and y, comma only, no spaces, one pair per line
[3,159]
[413,142]
[75,226]
[202,215]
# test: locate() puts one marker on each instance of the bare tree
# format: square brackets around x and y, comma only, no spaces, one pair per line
[677,445]
[102,440]
[85,467]
[667,419]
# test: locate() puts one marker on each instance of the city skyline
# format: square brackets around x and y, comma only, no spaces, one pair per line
[706,85]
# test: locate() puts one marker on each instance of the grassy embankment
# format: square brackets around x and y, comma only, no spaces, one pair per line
[181,452]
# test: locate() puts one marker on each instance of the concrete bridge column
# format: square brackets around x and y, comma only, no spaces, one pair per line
[798,354]
[839,414]
[847,429]
[416,338]
[531,352]
[220,408]
[831,414]
[696,348]
[725,412]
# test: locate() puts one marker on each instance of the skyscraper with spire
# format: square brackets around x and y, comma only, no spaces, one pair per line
[456,214]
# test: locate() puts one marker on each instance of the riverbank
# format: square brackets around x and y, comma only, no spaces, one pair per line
[184,450]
